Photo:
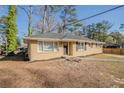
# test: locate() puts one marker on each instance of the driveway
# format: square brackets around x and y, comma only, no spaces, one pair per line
[99,59]
[117,56]
[105,58]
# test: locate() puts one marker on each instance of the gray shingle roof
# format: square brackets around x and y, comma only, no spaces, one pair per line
[48,35]
[62,37]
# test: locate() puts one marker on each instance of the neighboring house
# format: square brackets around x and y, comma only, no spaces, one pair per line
[54,45]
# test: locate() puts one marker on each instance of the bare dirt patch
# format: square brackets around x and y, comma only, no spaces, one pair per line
[61,73]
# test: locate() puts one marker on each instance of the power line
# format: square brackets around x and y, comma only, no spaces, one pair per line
[97,14]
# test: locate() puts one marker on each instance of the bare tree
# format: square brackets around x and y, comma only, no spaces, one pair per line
[59,27]
[29,12]
[47,21]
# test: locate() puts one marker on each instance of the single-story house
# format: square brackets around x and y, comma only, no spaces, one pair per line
[54,45]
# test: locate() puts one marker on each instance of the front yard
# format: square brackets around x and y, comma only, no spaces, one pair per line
[61,73]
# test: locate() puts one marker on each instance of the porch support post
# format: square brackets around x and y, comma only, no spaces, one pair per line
[68,49]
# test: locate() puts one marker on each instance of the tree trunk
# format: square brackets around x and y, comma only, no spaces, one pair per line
[44,19]
[30,21]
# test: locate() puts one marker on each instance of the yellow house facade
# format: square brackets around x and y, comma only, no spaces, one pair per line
[53,45]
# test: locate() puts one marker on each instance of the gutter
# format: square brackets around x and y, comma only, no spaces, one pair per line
[68,40]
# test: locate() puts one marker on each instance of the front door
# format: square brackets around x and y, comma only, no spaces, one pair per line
[65,48]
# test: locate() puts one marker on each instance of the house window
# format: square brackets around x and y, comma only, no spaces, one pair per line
[91,45]
[77,46]
[48,46]
[80,46]
[56,46]
[40,46]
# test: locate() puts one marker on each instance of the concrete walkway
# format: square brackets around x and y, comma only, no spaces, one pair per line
[117,56]
[100,59]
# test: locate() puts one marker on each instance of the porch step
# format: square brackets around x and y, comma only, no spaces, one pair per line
[71,58]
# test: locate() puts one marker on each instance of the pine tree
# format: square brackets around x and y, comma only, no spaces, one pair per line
[69,19]
[98,31]
[11,29]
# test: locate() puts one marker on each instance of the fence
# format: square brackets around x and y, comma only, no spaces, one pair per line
[119,51]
